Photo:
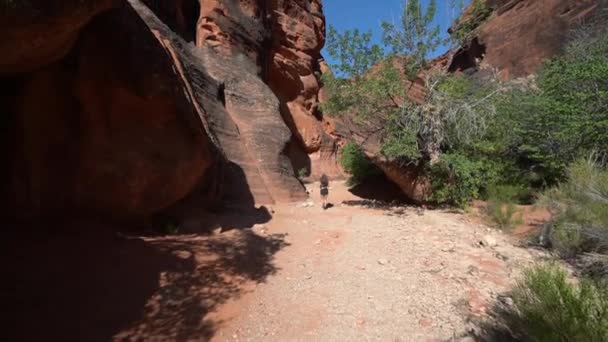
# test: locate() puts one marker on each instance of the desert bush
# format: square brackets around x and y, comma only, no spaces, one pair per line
[455,179]
[460,177]
[548,307]
[302,173]
[354,161]
[168,225]
[566,115]
[501,206]
[580,209]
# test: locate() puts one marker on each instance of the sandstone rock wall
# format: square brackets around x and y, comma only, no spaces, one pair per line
[97,131]
[521,34]
[123,108]
[283,40]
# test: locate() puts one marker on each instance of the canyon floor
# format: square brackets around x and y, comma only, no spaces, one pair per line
[356,271]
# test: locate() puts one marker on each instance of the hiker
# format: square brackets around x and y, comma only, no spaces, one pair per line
[324,190]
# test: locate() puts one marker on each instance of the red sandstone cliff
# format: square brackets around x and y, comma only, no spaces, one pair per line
[520,34]
[123,108]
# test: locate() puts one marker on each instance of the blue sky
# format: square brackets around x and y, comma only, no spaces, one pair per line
[367,15]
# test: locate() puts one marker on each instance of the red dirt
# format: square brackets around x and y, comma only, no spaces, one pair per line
[358,270]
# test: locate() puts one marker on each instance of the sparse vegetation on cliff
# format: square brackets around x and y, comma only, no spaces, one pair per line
[479,11]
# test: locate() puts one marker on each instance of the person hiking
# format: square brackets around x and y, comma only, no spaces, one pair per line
[324,190]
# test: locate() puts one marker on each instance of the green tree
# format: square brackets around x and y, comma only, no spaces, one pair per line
[373,87]
[565,115]
[414,36]
[353,50]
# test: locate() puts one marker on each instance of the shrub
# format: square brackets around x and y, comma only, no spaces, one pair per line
[501,205]
[566,114]
[547,307]
[455,179]
[302,173]
[169,225]
[354,161]
[580,209]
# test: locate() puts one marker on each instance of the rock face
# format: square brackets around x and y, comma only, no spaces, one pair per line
[98,132]
[298,32]
[520,34]
[38,33]
[283,40]
[122,109]
[515,39]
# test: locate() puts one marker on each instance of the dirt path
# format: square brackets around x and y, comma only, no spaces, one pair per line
[354,272]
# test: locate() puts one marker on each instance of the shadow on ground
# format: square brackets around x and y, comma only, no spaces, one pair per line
[91,284]
[379,188]
[496,326]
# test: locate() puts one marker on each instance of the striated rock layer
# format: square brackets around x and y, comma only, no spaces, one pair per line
[521,34]
[124,108]
[283,39]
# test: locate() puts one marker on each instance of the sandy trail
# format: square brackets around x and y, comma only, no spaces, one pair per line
[353,272]
[358,273]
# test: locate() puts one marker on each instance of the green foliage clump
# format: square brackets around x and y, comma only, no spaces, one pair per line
[580,208]
[456,180]
[567,115]
[353,50]
[354,84]
[355,162]
[547,307]
[501,204]
[416,35]
[479,12]
[463,175]
[169,225]
[302,173]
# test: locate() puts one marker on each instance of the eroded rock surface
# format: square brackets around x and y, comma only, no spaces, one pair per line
[521,34]
[94,129]
[98,131]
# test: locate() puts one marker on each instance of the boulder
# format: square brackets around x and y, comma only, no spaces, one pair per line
[94,131]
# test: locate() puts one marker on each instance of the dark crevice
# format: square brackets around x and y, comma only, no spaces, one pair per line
[468,57]
[368,189]
[192,11]
[566,10]
[267,41]
[181,16]
[221,94]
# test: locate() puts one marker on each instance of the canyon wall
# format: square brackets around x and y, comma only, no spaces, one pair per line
[95,118]
[123,108]
[520,34]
